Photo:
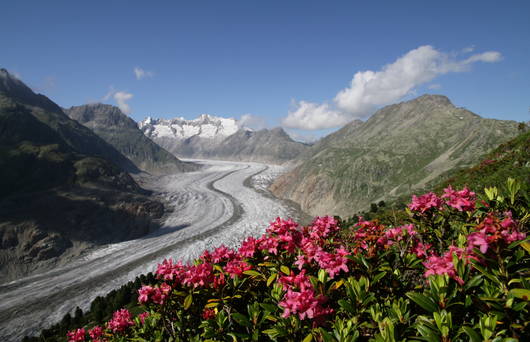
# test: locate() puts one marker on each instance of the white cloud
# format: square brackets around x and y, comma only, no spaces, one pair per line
[141,73]
[313,116]
[252,121]
[371,89]
[487,57]
[121,98]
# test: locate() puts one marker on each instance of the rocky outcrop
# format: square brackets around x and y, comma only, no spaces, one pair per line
[62,188]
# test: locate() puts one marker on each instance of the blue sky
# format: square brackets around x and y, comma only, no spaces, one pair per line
[272,59]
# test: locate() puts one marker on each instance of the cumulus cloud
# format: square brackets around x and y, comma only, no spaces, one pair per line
[121,98]
[314,116]
[252,121]
[141,73]
[371,89]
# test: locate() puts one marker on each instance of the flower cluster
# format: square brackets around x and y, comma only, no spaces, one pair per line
[308,277]
[120,321]
[425,203]
[463,200]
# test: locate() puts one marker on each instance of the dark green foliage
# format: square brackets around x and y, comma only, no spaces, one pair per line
[101,310]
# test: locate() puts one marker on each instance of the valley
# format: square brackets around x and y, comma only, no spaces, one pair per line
[215,205]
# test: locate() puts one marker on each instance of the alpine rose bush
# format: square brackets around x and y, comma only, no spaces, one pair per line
[456,269]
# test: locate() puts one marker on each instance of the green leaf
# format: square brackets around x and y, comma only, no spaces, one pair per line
[473,335]
[187,301]
[523,294]
[271,278]
[285,270]
[308,338]
[253,273]
[378,277]
[475,281]
[423,301]
[346,305]
[241,319]
[326,336]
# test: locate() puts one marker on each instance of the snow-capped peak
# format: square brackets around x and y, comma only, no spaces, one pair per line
[205,126]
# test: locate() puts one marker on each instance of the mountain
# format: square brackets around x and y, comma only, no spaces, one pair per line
[62,188]
[221,138]
[266,145]
[75,135]
[402,147]
[120,131]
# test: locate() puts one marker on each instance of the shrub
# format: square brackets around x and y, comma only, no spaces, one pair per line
[456,269]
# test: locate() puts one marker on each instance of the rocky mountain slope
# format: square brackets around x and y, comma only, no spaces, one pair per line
[62,188]
[400,148]
[220,138]
[117,129]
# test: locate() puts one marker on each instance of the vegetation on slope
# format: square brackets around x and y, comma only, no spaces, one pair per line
[456,269]
[400,148]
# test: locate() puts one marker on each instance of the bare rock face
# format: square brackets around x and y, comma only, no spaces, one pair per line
[63,189]
[221,138]
[402,147]
[120,131]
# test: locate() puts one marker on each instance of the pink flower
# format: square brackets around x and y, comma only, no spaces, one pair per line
[156,294]
[280,226]
[293,281]
[444,264]
[305,304]
[199,275]
[76,335]
[143,316]
[169,271]
[269,244]
[323,226]
[425,202]
[96,332]
[421,250]
[393,235]
[333,263]
[143,293]
[236,268]
[120,321]
[248,247]
[463,200]
[223,253]
[477,239]
[508,222]
[513,236]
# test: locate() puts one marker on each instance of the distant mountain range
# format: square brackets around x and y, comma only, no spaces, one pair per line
[402,147]
[120,131]
[221,138]
[62,187]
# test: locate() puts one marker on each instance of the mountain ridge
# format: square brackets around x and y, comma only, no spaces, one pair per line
[401,147]
[122,132]
[221,138]
[59,194]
